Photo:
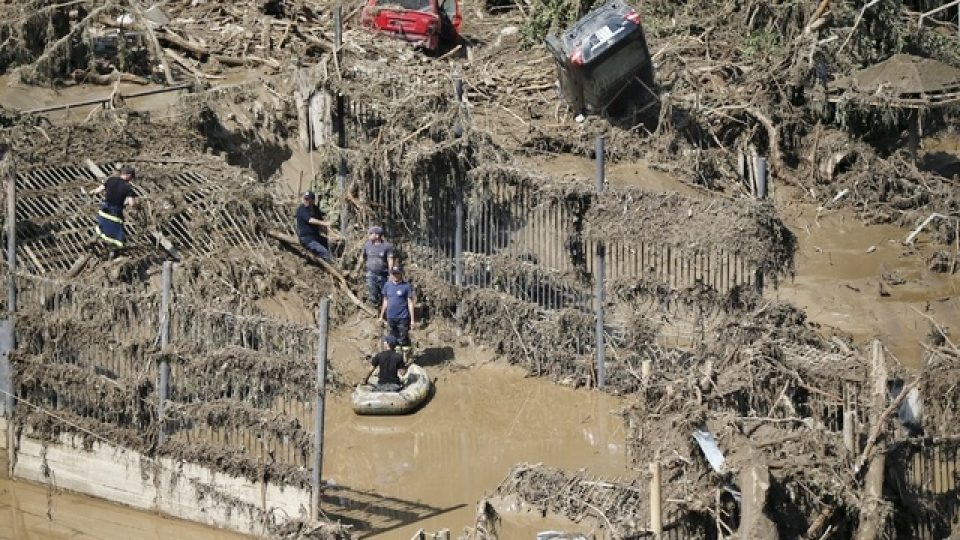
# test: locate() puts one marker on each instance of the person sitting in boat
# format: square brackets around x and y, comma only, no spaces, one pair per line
[391,366]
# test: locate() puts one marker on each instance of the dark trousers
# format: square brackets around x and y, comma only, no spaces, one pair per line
[317,248]
[110,225]
[400,329]
[375,283]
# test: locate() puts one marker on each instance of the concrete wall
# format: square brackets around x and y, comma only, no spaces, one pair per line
[3,433]
[170,487]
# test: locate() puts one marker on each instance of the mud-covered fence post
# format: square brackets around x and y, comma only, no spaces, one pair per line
[337,30]
[871,509]
[656,501]
[342,161]
[600,345]
[849,423]
[164,386]
[459,217]
[761,178]
[323,315]
[9,335]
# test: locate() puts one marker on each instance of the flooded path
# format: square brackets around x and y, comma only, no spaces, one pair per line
[24,515]
[429,469]
[848,277]
[392,476]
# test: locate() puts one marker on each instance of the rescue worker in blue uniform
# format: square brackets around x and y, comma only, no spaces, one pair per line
[311,228]
[397,308]
[117,195]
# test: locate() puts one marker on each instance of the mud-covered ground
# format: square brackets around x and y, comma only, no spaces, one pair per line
[755,77]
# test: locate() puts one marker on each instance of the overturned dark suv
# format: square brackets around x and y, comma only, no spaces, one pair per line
[603,64]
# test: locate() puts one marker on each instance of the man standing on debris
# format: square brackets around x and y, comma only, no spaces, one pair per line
[391,365]
[397,306]
[378,258]
[311,228]
[117,195]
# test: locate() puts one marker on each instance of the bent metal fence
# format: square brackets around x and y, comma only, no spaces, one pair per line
[924,479]
[239,395]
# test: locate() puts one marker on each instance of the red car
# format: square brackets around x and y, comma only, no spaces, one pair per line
[423,22]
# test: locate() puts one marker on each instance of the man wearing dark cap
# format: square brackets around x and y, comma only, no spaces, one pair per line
[311,228]
[117,195]
[391,366]
[397,306]
[378,258]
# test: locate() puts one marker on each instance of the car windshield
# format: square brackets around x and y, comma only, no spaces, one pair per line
[450,7]
[620,64]
[411,5]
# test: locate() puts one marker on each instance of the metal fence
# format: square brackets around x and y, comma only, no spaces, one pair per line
[239,389]
[52,236]
[924,477]
[515,240]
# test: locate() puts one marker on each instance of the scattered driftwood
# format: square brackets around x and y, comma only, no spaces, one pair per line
[196,50]
[341,279]
[913,234]
[90,76]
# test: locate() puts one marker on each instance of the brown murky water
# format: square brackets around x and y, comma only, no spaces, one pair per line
[391,476]
[18,96]
[429,469]
[31,512]
[841,266]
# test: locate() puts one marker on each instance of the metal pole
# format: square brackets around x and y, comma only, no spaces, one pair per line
[459,216]
[598,294]
[656,501]
[167,283]
[761,178]
[342,163]
[337,29]
[323,314]
[6,368]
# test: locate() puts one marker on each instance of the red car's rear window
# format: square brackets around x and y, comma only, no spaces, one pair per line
[412,5]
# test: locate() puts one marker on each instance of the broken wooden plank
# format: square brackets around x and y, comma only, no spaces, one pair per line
[913,235]
[77,266]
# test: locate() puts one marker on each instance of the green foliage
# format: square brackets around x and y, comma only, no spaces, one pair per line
[933,44]
[881,33]
[554,15]
[761,43]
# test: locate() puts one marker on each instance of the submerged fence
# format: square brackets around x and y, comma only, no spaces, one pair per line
[924,478]
[155,374]
[515,238]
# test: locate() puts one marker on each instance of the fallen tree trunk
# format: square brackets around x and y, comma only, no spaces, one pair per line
[196,50]
[341,279]
[152,41]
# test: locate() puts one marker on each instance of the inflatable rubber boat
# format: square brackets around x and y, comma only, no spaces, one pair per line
[416,388]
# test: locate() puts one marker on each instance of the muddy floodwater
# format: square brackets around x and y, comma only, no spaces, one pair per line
[395,475]
[33,512]
[863,281]
[429,469]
